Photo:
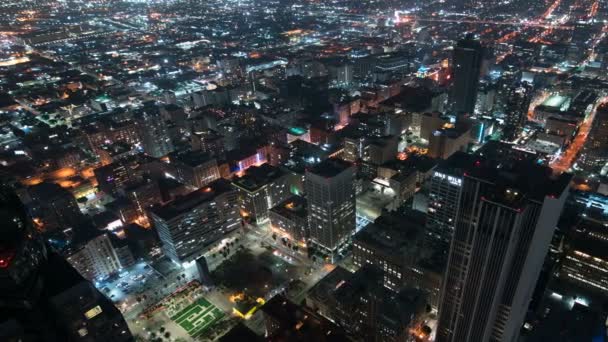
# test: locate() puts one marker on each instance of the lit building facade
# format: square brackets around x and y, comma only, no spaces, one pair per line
[595,152]
[586,261]
[189,224]
[195,169]
[152,128]
[444,197]
[331,204]
[291,218]
[95,259]
[259,189]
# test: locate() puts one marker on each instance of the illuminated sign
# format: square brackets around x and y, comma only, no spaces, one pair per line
[453,180]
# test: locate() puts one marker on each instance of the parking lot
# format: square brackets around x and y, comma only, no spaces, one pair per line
[129,281]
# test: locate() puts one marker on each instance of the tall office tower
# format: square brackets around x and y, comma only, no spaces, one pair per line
[517,103]
[189,224]
[155,138]
[466,61]
[444,196]
[504,223]
[331,204]
[595,152]
[43,298]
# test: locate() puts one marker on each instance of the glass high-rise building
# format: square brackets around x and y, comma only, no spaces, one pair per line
[506,215]
[466,62]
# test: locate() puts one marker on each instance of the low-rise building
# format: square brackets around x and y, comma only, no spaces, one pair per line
[259,189]
[291,218]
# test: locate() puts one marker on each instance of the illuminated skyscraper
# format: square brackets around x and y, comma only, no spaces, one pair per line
[153,131]
[331,204]
[444,197]
[518,100]
[504,223]
[466,61]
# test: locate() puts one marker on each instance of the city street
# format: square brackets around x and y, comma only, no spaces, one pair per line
[566,159]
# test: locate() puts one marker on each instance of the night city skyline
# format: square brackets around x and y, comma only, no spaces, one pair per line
[316,170]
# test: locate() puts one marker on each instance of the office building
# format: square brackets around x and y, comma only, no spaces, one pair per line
[143,195]
[364,307]
[208,141]
[109,131]
[113,178]
[586,261]
[447,141]
[595,152]
[395,243]
[517,103]
[259,189]
[446,183]
[109,153]
[94,258]
[444,198]
[466,62]
[287,321]
[194,168]
[340,72]
[380,150]
[331,204]
[52,206]
[290,217]
[189,224]
[152,128]
[505,220]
